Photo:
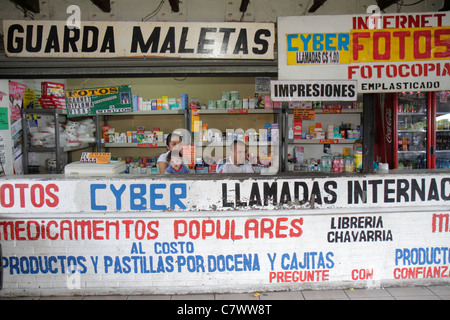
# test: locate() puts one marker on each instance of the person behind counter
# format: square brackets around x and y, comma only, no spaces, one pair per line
[236,162]
[175,160]
[172,143]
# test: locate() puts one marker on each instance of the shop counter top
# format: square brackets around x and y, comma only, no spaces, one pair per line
[222,176]
[224,192]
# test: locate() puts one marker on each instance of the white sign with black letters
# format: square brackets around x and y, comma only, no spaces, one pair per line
[139,39]
[290,90]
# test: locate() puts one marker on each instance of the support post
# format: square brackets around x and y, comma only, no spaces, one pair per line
[368,132]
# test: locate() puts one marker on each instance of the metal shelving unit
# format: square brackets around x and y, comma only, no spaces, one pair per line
[58,150]
[183,112]
[277,115]
[277,118]
[288,142]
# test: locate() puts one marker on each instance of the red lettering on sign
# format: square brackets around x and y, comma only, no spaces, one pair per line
[299,276]
[33,195]
[399,21]
[424,35]
[48,189]
[22,187]
[442,43]
[7,188]
[362,274]
[380,45]
[386,55]
[24,195]
[401,35]
[417,70]
[356,46]
[252,228]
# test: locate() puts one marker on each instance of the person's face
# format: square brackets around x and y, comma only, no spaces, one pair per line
[174,143]
[176,162]
[239,154]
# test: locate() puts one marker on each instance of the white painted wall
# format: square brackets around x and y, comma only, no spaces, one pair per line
[321,253]
[55,245]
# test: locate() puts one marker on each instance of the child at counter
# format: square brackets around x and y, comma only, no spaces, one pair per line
[175,160]
[172,143]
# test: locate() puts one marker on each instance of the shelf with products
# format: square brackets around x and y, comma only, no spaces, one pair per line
[132,145]
[411,138]
[323,132]
[321,141]
[412,122]
[239,111]
[226,144]
[83,145]
[411,160]
[228,117]
[413,131]
[412,141]
[238,124]
[117,126]
[412,103]
[233,105]
[117,130]
[149,112]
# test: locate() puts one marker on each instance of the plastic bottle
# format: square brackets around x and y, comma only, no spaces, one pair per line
[349,164]
[357,151]
[325,164]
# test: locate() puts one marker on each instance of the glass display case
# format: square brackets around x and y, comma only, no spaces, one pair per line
[443,130]
[412,138]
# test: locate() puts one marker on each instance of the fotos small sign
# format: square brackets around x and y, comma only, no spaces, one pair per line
[95,157]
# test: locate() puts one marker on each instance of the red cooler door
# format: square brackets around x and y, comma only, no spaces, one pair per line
[385,124]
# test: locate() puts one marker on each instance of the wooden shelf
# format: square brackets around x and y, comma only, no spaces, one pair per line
[321,141]
[342,111]
[128,145]
[148,113]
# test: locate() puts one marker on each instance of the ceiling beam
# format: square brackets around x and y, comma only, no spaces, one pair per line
[175,5]
[30,5]
[446,6]
[383,4]
[244,5]
[104,5]
[316,5]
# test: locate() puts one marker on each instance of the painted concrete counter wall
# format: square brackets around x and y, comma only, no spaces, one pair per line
[213,233]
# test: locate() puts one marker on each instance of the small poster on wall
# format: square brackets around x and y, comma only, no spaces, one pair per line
[4,124]
[94,101]
[16,92]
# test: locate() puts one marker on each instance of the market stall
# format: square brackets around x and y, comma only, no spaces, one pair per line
[286,226]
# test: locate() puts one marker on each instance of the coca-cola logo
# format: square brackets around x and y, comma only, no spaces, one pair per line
[388,121]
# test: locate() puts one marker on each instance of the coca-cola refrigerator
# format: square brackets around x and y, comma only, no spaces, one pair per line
[441,159]
[412,130]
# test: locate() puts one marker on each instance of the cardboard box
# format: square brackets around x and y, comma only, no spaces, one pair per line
[297,129]
[52,89]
